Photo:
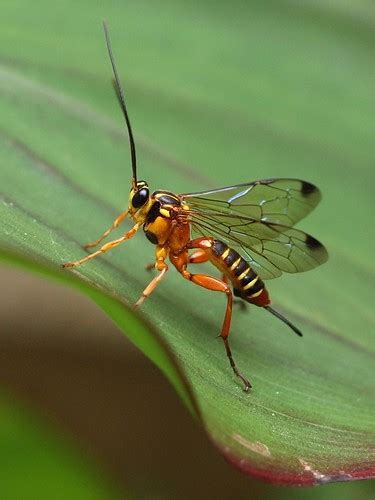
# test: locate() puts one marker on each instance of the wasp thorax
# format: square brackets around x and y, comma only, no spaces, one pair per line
[139,195]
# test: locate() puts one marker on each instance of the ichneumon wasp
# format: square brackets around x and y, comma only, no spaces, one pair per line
[245,231]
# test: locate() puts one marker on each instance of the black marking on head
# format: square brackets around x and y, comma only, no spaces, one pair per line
[218,247]
[231,257]
[312,243]
[140,197]
[154,212]
[151,237]
[250,276]
[307,188]
[166,198]
[257,287]
[241,267]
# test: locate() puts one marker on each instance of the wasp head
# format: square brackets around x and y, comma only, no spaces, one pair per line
[139,200]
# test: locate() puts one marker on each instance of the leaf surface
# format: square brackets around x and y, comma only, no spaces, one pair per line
[217,96]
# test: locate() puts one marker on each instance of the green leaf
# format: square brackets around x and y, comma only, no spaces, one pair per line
[245,90]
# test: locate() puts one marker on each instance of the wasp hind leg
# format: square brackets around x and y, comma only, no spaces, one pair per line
[242,305]
[200,256]
[216,285]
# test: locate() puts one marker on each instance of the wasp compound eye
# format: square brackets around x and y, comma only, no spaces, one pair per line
[140,197]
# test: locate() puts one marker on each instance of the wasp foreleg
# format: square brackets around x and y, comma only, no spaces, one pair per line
[115,224]
[104,248]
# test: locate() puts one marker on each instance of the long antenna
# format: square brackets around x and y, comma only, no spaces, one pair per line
[121,98]
[286,321]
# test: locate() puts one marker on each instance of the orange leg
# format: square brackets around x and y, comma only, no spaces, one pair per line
[237,302]
[115,224]
[161,266]
[217,285]
[197,257]
[201,256]
[104,248]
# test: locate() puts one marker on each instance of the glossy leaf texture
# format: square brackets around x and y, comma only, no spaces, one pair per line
[218,95]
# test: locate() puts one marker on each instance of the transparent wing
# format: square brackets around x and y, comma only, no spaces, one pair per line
[270,249]
[256,220]
[278,201]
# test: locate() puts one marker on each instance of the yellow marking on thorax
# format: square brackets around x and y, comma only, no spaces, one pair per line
[243,274]
[235,264]
[225,254]
[256,294]
[164,212]
[249,285]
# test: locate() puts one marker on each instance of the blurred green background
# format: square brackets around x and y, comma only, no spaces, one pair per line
[288,93]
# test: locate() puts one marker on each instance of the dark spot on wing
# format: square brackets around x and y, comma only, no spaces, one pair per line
[307,188]
[312,243]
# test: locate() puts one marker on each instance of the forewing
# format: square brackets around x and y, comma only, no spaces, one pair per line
[278,201]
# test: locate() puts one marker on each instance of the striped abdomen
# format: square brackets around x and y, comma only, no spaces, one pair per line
[246,283]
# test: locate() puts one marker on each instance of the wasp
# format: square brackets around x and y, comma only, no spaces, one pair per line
[246,231]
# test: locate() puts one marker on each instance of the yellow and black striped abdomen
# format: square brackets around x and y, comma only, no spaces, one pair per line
[246,282]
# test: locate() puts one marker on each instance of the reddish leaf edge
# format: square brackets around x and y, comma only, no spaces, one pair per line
[309,475]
